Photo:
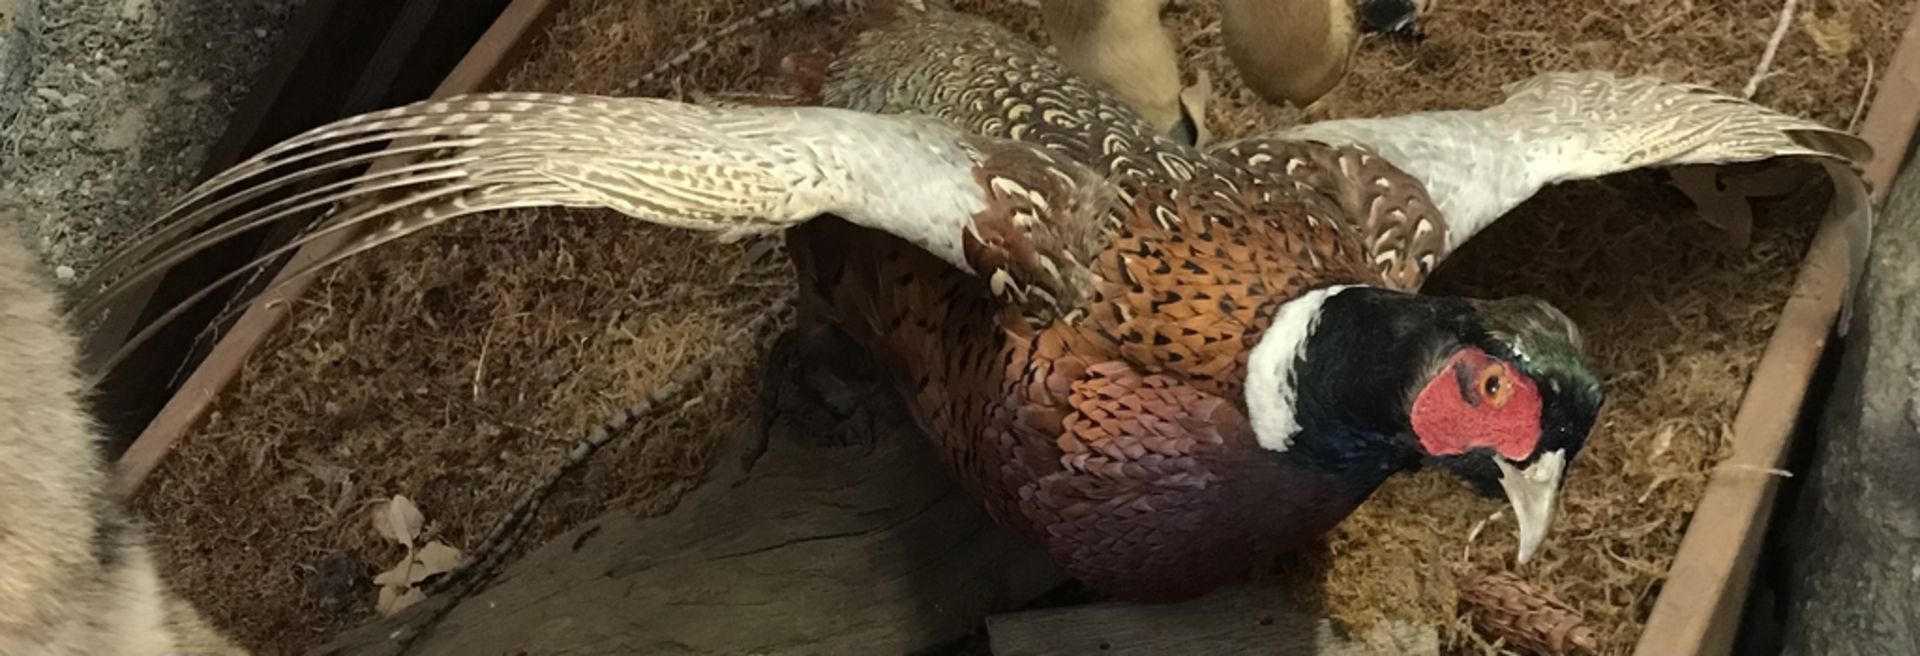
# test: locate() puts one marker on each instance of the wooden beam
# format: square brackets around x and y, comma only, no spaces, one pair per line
[1845,581]
[1699,605]
[1895,112]
[820,546]
[123,319]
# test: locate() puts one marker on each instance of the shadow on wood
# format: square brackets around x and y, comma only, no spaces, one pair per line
[1238,620]
[814,546]
[830,528]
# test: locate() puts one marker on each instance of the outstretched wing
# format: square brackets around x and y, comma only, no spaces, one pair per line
[1475,166]
[1024,219]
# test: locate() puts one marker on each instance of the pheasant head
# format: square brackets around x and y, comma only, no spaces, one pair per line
[1365,381]
[1509,411]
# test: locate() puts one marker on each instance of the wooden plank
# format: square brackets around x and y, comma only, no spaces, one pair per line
[829,542]
[307,27]
[1698,611]
[1891,120]
[483,62]
[1699,606]
[1233,621]
[1842,571]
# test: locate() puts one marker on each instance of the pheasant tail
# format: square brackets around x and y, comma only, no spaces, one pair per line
[1025,220]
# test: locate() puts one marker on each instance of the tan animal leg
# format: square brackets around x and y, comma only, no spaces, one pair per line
[1122,44]
[1289,51]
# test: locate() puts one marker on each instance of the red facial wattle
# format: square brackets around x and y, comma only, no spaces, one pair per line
[1477,401]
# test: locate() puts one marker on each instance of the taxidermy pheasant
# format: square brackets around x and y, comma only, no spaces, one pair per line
[1159,362]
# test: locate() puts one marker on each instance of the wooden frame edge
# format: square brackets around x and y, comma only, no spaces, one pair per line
[516,26]
[1698,610]
[1699,606]
[1895,112]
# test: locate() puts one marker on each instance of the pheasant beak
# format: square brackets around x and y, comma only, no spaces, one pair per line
[1533,492]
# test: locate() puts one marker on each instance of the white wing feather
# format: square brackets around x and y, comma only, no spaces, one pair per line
[1556,127]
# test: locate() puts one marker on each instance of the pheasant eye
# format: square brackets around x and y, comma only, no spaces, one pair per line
[1493,384]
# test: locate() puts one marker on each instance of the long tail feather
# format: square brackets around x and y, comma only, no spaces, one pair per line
[1019,216]
[446,211]
[152,264]
[405,125]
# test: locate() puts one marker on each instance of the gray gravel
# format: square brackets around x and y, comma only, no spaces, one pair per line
[117,110]
[19,19]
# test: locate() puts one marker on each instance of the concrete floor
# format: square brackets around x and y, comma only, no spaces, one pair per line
[112,107]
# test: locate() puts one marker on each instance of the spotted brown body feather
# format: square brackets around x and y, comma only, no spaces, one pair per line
[1404,235]
[1117,437]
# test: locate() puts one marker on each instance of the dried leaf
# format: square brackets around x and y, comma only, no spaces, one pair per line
[411,597]
[434,558]
[1729,211]
[1507,608]
[398,576]
[1833,35]
[398,520]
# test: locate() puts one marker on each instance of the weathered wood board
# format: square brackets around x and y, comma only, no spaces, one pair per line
[848,547]
[838,533]
[1230,622]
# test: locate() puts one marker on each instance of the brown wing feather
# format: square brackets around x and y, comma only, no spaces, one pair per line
[1117,440]
[1401,234]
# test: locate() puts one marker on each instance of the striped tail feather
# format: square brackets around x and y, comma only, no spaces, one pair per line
[1023,218]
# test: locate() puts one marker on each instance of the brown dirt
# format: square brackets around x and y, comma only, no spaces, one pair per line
[457,367]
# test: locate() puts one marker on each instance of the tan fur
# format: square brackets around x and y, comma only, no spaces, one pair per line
[1122,44]
[75,575]
[1287,51]
[1291,51]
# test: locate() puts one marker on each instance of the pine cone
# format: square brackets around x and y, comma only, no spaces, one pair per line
[1505,607]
